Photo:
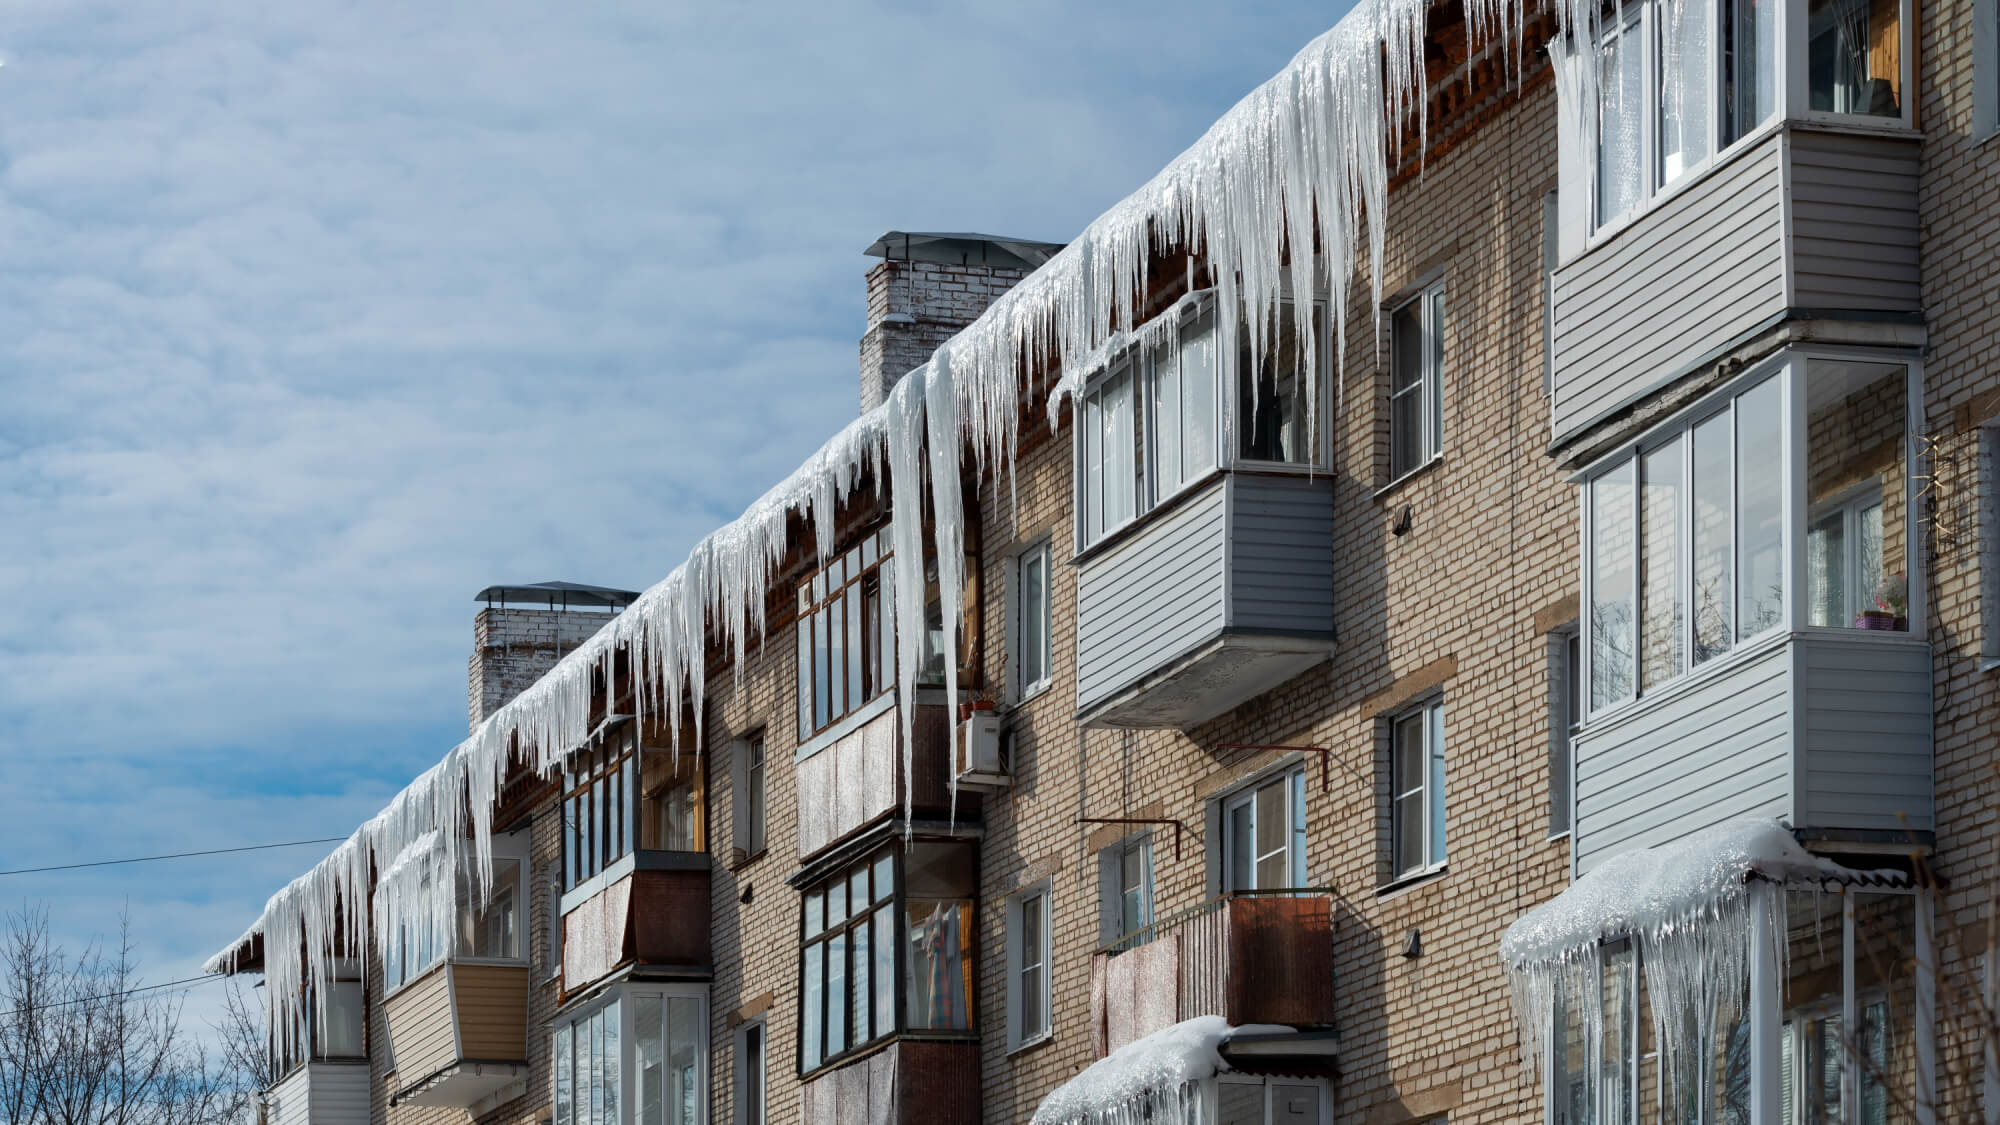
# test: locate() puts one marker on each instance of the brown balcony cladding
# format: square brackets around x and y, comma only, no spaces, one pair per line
[907,1082]
[459,1033]
[656,916]
[856,779]
[1248,958]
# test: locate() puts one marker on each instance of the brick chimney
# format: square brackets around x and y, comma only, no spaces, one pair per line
[524,630]
[926,288]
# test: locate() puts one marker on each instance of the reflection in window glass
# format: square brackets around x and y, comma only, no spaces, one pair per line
[1749,65]
[1760,514]
[1714,538]
[1612,566]
[1661,621]
[1687,75]
[1856,495]
[1854,56]
[1621,111]
[1271,397]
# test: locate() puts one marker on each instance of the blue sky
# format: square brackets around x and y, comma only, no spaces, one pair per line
[317,318]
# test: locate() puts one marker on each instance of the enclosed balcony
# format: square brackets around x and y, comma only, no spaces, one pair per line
[635,863]
[459,1032]
[1753,641]
[1746,178]
[320,1092]
[1204,519]
[1249,957]
[850,776]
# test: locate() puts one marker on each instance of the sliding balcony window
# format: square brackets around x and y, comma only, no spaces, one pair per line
[1687,534]
[1150,425]
[638,1057]
[897,923]
[846,640]
[620,797]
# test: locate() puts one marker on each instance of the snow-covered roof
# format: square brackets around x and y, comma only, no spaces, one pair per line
[1655,889]
[1147,1079]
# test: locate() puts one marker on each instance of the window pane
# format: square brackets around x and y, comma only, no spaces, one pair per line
[823,651]
[684,1059]
[1760,477]
[564,1080]
[613,1058]
[885,877]
[1750,67]
[1434,376]
[1854,56]
[812,1008]
[804,677]
[1034,617]
[1713,544]
[1272,835]
[815,914]
[648,1030]
[1091,485]
[1687,74]
[1164,426]
[1033,967]
[851,660]
[1298,873]
[836,994]
[1407,839]
[883,942]
[1120,470]
[1621,109]
[1856,489]
[1436,803]
[1661,621]
[1611,561]
[934,981]
[1240,855]
[861,1001]
[1406,405]
[1271,395]
[1198,382]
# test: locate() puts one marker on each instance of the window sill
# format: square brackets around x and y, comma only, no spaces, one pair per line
[1395,486]
[738,863]
[1033,692]
[1026,1045]
[1989,665]
[1411,882]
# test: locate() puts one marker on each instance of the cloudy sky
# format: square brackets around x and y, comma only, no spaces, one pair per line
[316,318]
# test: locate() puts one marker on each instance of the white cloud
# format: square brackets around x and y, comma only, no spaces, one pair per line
[314,319]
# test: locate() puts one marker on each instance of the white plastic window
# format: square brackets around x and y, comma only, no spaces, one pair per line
[1264,834]
[1417,816]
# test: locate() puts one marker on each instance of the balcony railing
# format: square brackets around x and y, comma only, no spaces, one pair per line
[459,1033]
[1250,957]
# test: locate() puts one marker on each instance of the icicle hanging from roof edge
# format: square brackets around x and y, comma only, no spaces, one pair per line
[906,520]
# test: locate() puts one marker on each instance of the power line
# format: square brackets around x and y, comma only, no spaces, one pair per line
[176,855]
[202,979]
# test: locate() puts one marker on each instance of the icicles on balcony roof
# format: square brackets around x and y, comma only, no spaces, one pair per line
[1156,1079]
[1685,906]
[1307,152]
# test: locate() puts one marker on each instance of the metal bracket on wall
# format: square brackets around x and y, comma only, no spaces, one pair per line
[1178,826]
[1325,757]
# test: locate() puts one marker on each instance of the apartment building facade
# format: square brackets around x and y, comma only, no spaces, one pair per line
[1646,496]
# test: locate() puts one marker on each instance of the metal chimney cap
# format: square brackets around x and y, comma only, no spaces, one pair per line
[562,595]
[962,249]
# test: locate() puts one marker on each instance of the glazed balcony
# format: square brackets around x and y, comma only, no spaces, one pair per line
[1208,602]
[459,1032]
[1249,957]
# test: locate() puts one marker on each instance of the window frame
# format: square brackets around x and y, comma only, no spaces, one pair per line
[1038,898]
[743,1112]
[1565,720]
[1788,370]
[1137,361]
[1112,888]
[1019,608]
[1291,775]
[1850,504]
[625,995]
[1430,789]
[609,783]
[749,758]
[1428,387]
[824,937]
[865,586]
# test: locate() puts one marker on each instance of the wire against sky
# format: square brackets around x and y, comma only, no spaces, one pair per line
[202,979]
[175,855]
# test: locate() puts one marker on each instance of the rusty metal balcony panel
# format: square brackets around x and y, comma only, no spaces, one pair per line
[907,1082]
[657,916]
[1247,958]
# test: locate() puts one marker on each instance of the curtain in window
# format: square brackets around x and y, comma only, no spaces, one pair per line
[936,981]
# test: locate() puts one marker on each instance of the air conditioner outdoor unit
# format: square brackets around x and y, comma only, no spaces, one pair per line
[980,763]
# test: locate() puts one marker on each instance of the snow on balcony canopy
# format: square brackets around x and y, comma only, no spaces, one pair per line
[1156,1079]
[1686,907]
[1307,152]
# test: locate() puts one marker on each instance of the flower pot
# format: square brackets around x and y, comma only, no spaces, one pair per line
[1877,619]
[966,710]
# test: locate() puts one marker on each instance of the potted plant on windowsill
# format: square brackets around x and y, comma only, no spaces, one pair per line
[1892,604]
